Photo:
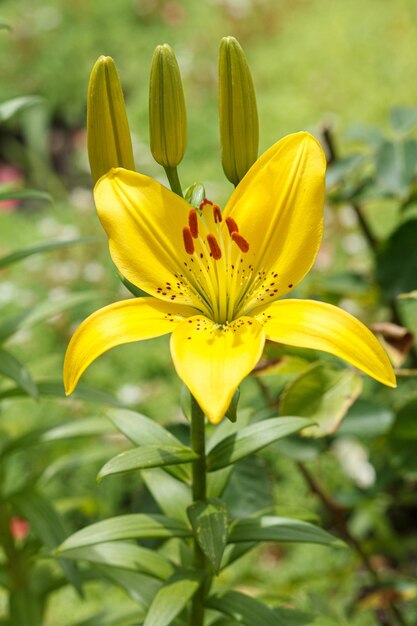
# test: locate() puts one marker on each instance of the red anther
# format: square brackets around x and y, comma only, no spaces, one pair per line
[240,241]
[203,204]
[216,253]
[231,225]
[188,240]
[217,214]
[193,223]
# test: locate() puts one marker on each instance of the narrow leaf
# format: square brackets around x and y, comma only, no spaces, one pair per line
[209,521]
[9,108]
[143,431]
[55,389]
[45,246]
[124,556]
[172,496]
[135,526]
[244,609]
[251,439]
[281,529]
[172,598]
[11,368]
[9,193]
[85,427]
[146,457]
[141,588]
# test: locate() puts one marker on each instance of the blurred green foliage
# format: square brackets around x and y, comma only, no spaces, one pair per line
[346,63]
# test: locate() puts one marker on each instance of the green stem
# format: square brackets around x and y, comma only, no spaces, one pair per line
[174,181]
[199,484]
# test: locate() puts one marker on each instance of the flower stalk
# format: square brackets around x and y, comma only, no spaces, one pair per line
[199,485]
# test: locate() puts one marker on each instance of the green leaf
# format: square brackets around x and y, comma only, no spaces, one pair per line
[11,368]
[112,618]
[141,588]
[396,163]
[124,556]
[250,488]
[143,431]
[231,412]
[84,427]
[251,439]
[146,457]
[244,609]
[172,598]
[173,497]
[324,395]
[43,311]
[135,526]
[55,389]
[10,193]
[48,526]
[9,108]
[209,522]
[396,271]
[403,119]
[366,419]
[281,529]
[45,246]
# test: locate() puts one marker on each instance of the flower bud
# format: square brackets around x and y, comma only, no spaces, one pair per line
[239,129]
[167,115]
[108,135]
[195,194]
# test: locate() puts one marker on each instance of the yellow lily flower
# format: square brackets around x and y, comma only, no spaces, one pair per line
[214,277]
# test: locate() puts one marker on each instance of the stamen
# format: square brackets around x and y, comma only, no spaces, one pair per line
[240,241]
[188,240]
[231,225]
[193,223]
[217,214]
[214,247]
[203,204]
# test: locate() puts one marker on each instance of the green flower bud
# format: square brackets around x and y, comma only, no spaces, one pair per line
[195,194]
[239,128]
[167,115]
[108,135]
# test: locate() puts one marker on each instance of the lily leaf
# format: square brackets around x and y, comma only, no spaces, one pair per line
[324,395]
[209,521]
[172,598]
[146,457]
[124,556]
[281,529]
[135,526]
[251,439]
[45,246]
[11,368]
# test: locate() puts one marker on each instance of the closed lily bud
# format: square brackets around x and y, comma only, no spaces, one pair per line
[167,115]
[108,135]
[239,128]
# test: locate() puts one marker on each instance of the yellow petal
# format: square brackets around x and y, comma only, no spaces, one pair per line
[321,326]
[144,221]
[278,207]
[114,325]
[212,360]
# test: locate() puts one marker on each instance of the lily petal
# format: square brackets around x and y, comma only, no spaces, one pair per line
[278,207]
[321,326]
[116,324]
[144,221]
[212,360]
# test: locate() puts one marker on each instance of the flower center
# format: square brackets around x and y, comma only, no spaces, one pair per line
[216,249]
